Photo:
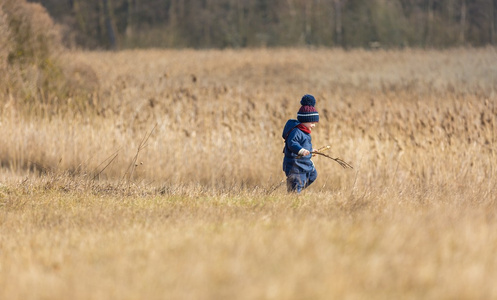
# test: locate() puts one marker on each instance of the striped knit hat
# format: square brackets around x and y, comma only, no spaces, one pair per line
[307,112]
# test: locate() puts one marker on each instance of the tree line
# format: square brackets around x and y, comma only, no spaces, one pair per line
[277,23]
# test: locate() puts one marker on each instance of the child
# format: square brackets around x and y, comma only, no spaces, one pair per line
[297,164]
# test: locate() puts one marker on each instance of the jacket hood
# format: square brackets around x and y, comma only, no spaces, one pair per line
[290,124]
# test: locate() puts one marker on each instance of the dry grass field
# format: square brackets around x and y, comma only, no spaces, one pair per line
[165,183]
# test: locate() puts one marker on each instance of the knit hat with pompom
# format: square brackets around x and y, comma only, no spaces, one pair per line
[307,112]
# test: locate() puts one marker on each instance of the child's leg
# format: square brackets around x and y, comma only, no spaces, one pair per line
[311,177]
[295,182]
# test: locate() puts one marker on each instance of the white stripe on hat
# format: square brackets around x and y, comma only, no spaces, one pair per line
[306,115]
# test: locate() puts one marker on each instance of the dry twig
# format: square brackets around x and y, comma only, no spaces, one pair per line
[319,151]
[133,164]
[342,163]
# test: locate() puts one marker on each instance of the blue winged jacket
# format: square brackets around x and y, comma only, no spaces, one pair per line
[296,139]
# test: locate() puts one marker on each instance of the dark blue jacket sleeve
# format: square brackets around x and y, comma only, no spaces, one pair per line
[294,141]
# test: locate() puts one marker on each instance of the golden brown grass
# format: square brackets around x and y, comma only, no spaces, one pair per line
[103,244]
[204,215]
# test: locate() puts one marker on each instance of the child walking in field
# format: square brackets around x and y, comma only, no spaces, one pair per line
[297,164]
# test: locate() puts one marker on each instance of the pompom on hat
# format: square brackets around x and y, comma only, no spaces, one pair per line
[307,112]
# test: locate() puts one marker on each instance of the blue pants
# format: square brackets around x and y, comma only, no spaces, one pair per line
[296,182]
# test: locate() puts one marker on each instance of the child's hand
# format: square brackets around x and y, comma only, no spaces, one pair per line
[304,152]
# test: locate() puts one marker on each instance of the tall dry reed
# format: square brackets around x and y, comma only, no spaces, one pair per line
[399,117]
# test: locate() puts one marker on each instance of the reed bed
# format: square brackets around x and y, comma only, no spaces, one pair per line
[396,116]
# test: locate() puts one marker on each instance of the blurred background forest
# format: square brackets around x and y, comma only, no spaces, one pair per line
[124,24]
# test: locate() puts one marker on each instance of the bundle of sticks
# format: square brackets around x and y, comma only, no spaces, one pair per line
[341,162]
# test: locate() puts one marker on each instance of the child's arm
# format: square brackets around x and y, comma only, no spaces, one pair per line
[295,146]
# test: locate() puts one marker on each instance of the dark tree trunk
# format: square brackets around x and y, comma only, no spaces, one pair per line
[493,36]
[338,23]
[462,32]
[109,24]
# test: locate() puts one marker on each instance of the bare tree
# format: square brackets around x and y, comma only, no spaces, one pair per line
[493,26]
[338,5]
[109,23]
[462,30]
